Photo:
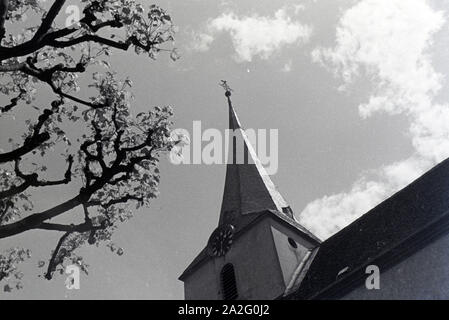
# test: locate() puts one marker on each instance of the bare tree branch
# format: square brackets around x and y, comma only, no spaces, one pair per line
[80,228]
[53,263]
[48,20]
[13,102]
[29,145]
[36,219]
[31,180]
[35,139]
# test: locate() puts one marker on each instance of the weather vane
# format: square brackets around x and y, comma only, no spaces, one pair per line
[227,88]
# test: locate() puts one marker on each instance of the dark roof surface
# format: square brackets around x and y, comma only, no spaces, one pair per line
[397,224]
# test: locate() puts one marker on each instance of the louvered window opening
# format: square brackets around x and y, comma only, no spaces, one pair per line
[228,283]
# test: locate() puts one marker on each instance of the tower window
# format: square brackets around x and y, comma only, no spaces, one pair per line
[292,243]
[228,282]
[288,211]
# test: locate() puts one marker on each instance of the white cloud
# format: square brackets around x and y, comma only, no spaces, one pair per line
[388,41]
[201,42]
[255,35]
[329,214]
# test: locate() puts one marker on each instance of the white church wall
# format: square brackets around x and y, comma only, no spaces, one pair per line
[256,266]
[254,258]
[424,275]
[289,256]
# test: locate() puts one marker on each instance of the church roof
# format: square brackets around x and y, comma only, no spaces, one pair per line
[248,187]
[384,236]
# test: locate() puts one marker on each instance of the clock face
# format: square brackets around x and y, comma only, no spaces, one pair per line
[221,240]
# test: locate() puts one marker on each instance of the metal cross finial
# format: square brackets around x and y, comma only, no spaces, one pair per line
[227,88]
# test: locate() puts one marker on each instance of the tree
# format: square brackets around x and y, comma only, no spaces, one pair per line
[112,155]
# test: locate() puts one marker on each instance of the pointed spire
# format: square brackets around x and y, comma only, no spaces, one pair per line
[248,187]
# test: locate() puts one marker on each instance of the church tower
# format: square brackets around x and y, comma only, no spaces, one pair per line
[258,250]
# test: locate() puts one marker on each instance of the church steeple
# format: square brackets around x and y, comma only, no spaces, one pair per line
[248,187]
[258,250]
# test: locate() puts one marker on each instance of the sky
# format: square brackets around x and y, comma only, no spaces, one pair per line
[356,89]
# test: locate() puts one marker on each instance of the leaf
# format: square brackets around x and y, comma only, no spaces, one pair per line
[174,55]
